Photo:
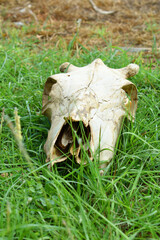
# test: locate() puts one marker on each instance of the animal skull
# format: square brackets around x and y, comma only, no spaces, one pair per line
[95,98]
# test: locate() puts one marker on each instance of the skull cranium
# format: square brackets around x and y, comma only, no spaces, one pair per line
[95,98]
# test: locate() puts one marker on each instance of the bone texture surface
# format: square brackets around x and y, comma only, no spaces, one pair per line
[86,107]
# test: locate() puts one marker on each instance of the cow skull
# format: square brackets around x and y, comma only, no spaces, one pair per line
[86,107]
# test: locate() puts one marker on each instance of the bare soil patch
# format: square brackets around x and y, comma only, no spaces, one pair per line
[135,23]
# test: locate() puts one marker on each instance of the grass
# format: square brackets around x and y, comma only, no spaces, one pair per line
[75,201]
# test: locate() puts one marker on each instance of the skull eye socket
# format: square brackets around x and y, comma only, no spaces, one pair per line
[131,104]
[131,92]
[48,86]
[74,139]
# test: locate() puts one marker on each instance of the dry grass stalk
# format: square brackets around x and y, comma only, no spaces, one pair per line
[17,134]
[2,120]
[18,124]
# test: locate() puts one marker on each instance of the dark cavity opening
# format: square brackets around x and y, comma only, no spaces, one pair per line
[74,139]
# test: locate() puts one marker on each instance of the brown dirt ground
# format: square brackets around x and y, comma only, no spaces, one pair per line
[135,23]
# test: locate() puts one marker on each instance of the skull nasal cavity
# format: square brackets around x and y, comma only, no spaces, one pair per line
[73,137]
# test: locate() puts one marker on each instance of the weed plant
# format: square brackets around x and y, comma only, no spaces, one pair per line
[74,201]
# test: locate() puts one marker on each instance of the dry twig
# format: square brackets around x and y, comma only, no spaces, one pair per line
[100,10]
[138,49]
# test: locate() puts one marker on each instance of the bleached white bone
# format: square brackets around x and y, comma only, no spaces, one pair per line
[95,98]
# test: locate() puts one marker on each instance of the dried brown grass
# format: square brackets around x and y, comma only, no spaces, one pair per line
[128,26]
